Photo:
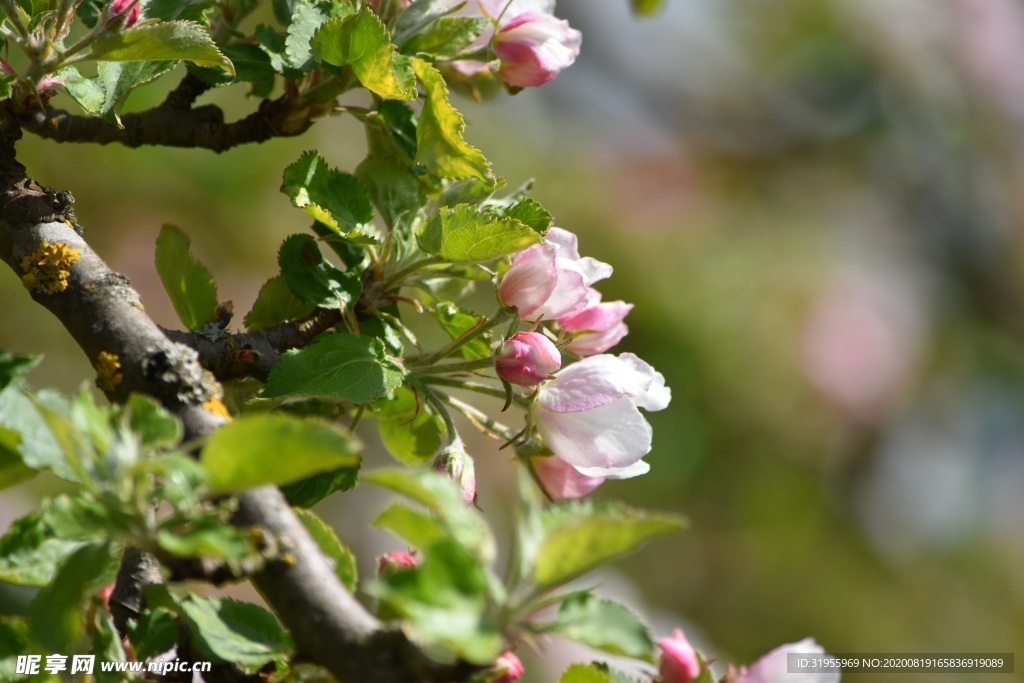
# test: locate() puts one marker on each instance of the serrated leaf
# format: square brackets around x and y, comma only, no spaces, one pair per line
[446,37]
[341,557]
[418,528]
[311,490]
[159,41]
[306,19]
[441,496]
[580,536]
[85,517]
[465,235]
[275,304]
[445,600]
[314,280]
[235,632]
[26,434]
[393,187]
[30,552]
[169,10]
[118,79]
[361,41]
[439,143]
[156,631]
[338,200]
[106,644]
[15,367]
[54,615]
[601,624]
[252,65]
[248,453]
[86,91]
[206,536]
[401,122]
[455,322]
[531,213]
[151,423]
[585,673]
[188,282]
[410,432]
[338,365]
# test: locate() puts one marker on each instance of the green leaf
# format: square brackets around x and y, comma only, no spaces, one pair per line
[206,536]
[314,280]
[465,235]
[418,528]
[235,632]
[439,142]
[12,469]
[361,41]
[54,615]
[446,37]
[86,91]
[307,17]
[159,41]
[530,213]
[647,8]
[580,536]
[85,517]
[169,10]
[13,642]
[341,557]
[601,624]
[456,321]
[338,200]
[118,79]
[188,282]
[26,434]
[446,601]
[393,187]
[401,123]
[30,552]
[151,423]
[410,432]
[156,631]
[275,304]
[248,453]
[586,673]
[441,496]
[15,367]
[311,490]
[338,365]
[106,643]
[252,65]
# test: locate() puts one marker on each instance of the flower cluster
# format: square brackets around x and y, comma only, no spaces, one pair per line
[587,413]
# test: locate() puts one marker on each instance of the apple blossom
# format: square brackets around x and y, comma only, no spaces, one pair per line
[455,462]
[588,415]
[511,668]
[599,326]
[527,359]
[534,48]
[398,561]
[773,667]
[129,8]
[550,280]
[679,662]
[563,481]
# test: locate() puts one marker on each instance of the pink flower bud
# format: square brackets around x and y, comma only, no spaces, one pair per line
[132,7]
[527,359]
[458,465]
[563,481]
[534,48]
[392,563]
[510,667]
[599,326]
[679,662]
[550,280]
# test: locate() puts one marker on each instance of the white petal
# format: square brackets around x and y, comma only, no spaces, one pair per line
[614,435]
[634,470]
[773,667]
[657,396]
[593,382]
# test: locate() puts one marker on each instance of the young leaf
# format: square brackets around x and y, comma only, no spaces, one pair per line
[342,558]
[401,123]
[155,632]
[25,433]
[275,304]
[206,536]
[188,282]
[439,143]
[446,601]
[235,632]
[117,79]
[338,365]
[30,552]
[306,18]
[106,644]
[466,235]
[361,41]
[531,213]
[54,614]
[154,426]
[311,490]
[86,91]
[12,469]
[248,453]
[441,496]
[601,624]
[314,280]
[393,187]
[338,200]
[456,321]
[15,367]
[581,536]
[159,41]
[410,432]
[585,673]
[418,528]
[446,37]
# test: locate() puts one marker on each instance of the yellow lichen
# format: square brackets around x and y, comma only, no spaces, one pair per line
[217,407]
[289,558]
[48,268]
[108,371]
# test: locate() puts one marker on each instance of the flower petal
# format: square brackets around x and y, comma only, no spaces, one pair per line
[613,435]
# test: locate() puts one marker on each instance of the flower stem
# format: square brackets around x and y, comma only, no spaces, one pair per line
[464,384]
[469,335]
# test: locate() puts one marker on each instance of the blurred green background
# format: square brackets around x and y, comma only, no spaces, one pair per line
[816,206]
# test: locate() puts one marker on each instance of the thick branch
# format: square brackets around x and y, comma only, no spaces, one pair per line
[174,125]
[103,314]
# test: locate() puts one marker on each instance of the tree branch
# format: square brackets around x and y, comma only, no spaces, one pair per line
[175,123]
[131,354]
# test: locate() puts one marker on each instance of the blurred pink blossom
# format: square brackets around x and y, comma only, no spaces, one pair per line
[598,327]
[562,481]
[679,662]
[527,359]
